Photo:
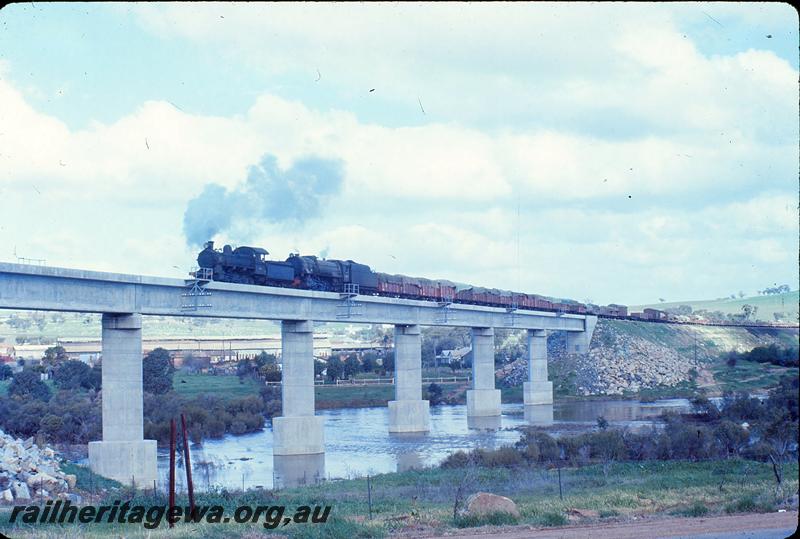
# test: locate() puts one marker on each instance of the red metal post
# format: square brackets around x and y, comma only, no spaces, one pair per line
[188,464]
[171,469]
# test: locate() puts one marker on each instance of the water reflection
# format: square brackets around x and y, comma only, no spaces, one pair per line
[358,441]
[539,415]
[484,422]
[298,470]
[409,460]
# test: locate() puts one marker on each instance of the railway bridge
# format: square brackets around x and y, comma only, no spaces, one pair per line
[123,453]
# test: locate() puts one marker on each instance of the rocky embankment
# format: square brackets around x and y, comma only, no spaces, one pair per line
[628,356]
[619,362]
[28,472]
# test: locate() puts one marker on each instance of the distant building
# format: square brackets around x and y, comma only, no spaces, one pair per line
[8,354]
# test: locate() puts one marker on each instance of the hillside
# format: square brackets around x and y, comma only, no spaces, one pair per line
[629,358]
[767,305]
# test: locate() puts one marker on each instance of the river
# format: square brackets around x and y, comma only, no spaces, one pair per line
[357,442]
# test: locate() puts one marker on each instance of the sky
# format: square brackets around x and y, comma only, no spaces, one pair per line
[615,152]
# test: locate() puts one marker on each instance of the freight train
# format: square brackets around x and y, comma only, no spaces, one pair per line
[249,265]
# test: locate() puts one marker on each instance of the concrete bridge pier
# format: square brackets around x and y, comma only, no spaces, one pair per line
[408,412]
[538,389]
[483,400]
[578,342]
[298,431]
[123,454]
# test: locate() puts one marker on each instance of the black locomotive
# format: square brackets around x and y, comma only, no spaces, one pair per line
[249,265]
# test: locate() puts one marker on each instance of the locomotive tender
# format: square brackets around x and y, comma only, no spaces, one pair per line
[249,265]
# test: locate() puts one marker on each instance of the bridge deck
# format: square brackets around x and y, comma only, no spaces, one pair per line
[62,289]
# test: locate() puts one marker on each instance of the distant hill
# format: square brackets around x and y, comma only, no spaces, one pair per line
[767,305]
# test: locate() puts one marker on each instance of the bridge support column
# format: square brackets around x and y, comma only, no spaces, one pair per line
[578,342]
[537,390]
[298,431]
[123,454]
[408,412]
[483,399]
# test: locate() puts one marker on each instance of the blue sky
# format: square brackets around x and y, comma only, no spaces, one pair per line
[626,151]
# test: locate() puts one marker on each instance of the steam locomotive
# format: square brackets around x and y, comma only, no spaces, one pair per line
[249,265]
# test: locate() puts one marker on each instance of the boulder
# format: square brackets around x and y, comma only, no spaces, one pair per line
[485,503]
[45,481]
[21,490]
[71,479]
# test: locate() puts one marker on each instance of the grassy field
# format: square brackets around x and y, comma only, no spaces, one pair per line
[421,502]
[327,397]
[767,305]
[748,376]
[227,387]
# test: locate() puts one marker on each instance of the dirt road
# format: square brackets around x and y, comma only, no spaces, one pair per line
[751,525]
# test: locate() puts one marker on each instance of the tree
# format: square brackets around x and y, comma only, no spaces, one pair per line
[270,373]
[264,358]
[435,394]
[245,367]
[157,371]
[368,362]
[74,374]
[351,366]
[749,310]
[5,372]
[335,368]
[28,384]
[388,361]
[54,355]
[319,366]
[731,437]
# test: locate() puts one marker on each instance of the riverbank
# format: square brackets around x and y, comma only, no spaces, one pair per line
[421,502]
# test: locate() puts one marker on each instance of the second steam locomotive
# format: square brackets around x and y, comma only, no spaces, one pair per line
[249,265]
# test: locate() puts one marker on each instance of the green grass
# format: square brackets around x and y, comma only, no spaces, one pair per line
[352,396]
[492,519]
[226,387]
[748,376]
[422,500]
[327,397]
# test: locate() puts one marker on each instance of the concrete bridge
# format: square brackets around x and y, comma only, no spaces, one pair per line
[125,455]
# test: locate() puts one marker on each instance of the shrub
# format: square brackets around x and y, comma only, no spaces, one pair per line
[553,519]
[492,519]
[157,371]
[238,427]
[435,394]
[697,509]
[459,459]
[28,384]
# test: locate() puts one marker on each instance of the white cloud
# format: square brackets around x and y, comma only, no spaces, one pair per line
[701,187]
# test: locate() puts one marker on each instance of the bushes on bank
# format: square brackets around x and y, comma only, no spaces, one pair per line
[742,427]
